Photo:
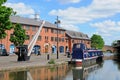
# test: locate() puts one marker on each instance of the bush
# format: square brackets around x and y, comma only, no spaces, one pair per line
[52,61]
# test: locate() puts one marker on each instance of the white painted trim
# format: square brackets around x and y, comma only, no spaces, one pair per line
[78,67]
[91,58]
[77,60]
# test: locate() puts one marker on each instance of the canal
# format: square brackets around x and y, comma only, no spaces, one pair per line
[106,70]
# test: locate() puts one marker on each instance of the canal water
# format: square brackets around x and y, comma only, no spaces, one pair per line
[106,70]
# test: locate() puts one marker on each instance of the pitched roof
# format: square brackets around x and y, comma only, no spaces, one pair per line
[79,35]
[28,21]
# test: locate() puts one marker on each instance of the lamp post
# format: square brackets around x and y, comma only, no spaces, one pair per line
[57,22]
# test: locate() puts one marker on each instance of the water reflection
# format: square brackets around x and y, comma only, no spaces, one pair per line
[107,70]
[43,73]
[81,72]
[50,73]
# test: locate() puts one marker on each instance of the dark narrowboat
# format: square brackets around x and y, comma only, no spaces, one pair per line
[80,54]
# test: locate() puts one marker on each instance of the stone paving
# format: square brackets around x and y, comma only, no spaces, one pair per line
[11,63]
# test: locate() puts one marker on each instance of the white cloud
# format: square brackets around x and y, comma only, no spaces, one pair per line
[70,27]
[97,9]
[69,1]
[21,8]
[107,26]
[108,29]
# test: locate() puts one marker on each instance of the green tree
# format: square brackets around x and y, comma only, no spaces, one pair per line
[18,37]
[97,41]
[114,43]
[5,23]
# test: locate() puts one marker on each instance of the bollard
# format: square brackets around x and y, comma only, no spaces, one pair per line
[48,57]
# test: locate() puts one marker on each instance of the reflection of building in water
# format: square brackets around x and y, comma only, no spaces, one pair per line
[81,72]
[53,73]
[4,76]
[21,75]
[43,73]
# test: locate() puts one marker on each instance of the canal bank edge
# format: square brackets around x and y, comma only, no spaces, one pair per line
[27,67]
[9,63]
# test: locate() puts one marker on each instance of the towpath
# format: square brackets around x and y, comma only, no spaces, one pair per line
[11,63]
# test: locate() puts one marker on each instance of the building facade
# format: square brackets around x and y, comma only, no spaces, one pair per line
[77,37]
[47,40]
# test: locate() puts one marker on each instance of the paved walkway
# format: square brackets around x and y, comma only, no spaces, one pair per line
[11,63]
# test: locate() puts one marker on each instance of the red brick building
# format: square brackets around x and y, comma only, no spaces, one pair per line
[77,37]
[47,40]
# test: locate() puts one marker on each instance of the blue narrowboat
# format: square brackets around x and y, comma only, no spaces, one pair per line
[80,54]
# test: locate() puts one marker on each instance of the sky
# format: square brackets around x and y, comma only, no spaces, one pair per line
[100,17]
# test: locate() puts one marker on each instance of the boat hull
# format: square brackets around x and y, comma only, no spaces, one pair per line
[84,61]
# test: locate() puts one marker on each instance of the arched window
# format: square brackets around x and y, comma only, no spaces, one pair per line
[36,49]
[12,48]
[54,49]
[61,48]
[2,46]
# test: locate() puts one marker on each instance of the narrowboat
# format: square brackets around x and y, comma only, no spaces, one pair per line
[82,55]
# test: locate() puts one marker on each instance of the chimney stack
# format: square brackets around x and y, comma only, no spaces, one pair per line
[37,17]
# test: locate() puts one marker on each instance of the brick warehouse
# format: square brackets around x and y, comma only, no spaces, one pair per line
[47,41]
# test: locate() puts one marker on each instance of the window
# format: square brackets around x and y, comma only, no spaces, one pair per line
[61,48]
[62,39]
[46,30]
[72,41]
[88,42]
[55,31]
[78,46]
[52,38]
[33,28]
[56,39]
[46,37]
[66,40]
[28,37]
[2,46]
[27,27]
[39,38]
[59,39]
[52,30]
[61,32]
[32,36]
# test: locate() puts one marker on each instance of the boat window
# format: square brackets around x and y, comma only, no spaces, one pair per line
[78,46]
[88,55]
[94,53]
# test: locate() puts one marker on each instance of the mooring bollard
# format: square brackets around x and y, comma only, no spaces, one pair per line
[48,57]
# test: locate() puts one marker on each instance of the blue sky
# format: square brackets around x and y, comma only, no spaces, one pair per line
[100,17]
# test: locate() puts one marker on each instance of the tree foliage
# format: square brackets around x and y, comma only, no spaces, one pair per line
[5,24]
[114,43]
[18,37]
[2,1]
[97,41]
